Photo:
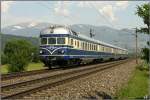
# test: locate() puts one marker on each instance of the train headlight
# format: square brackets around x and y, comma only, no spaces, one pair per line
[41,51]
[62,51]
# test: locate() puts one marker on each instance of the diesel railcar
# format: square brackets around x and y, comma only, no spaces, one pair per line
[62,46]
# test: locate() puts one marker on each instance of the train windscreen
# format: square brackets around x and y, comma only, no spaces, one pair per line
[43,40]
[51,40]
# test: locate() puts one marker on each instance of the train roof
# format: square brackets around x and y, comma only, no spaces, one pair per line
[67,30]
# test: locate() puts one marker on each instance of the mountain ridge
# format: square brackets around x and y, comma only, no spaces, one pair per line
[120,37]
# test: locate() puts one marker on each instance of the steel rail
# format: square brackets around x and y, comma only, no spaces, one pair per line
[22,74]
[76,74]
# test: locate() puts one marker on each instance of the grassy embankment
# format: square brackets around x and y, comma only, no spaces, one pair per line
[31,66]
[137,86]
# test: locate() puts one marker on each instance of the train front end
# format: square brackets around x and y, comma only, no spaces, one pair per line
[53,46]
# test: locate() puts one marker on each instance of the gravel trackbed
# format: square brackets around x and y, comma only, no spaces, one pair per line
[101,85]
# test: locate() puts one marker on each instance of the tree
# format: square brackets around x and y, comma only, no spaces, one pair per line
[145,54]
[18,54]
[35,55]
[3,59]
[143,11]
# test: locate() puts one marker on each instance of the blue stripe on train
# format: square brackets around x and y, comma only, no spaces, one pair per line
[75,53]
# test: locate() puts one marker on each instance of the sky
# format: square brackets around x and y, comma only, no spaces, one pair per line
[115,14]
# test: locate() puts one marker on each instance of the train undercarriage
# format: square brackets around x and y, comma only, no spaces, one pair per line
[56,62]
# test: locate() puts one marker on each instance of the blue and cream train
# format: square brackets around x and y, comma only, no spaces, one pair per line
[60,45]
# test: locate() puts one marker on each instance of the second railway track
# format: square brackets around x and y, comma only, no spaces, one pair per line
[21,89]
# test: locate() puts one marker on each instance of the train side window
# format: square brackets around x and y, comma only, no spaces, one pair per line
[96,47]
[77,43]
[93,46]
[103,49]
[69,41]
[72,42]
[43,40]
[90,46]
[85,45]
[82,45]
[112,50]
[100,48]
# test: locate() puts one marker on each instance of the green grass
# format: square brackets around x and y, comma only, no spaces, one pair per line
[35,66]
[30,67]
[137,86]
[4,69]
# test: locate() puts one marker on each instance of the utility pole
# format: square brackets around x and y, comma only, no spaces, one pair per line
[136,45]
[91,33]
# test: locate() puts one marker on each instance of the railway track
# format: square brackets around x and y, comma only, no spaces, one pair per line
[20,77]
[22,74]
[8,79]
[5,77]
[18,90]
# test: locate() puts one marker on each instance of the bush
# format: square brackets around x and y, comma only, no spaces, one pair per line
[35,55]
[3,59]
[18,54]
[145,54]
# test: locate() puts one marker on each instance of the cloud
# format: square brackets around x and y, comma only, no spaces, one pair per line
[61,12]
[5,5]
[122,4]
[84,3]
[8,19]
[32,24]
[61,8]
[108,11]
[18,27]
[105,8]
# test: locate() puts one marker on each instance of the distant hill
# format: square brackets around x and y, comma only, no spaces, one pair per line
[123,38]
[5,38]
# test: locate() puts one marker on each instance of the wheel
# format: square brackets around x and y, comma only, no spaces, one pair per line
[49,66]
